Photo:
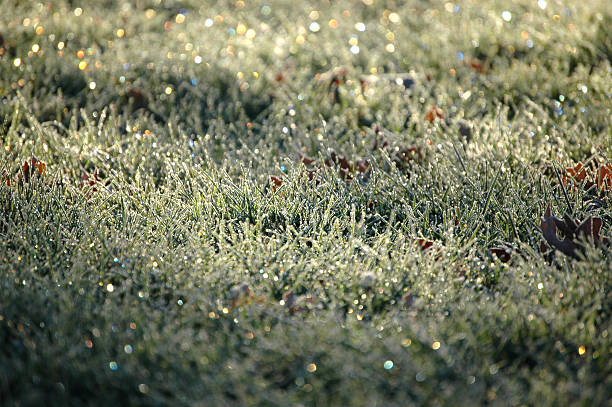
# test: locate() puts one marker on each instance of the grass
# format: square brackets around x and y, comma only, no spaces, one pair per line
[181,273]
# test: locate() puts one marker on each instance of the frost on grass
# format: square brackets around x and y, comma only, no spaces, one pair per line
[305,203]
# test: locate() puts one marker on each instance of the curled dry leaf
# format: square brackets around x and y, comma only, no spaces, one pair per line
[307,160]
[346,168]
[276,182]
[576,236]
[603,177]
[91,181]
[578,172]
[478,66]
[337,75]
[599,175]
[434,113]
[137,99]
[6,178]
[311,174]
[362,165]
[33,167]
[333,79]
[424,244]
[504,254]
[400,155]
[465,130]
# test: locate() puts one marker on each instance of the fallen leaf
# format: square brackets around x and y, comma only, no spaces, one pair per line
[333,79]
[603,177]
[307,160]
[465,130]
[137,99]
[32,167]
[276,182]
[504,254]
[346,169]
[598,174]
[477,65]
[434,113]
[576,173]
[575,235]
[400,155]
[362,165]
[6,178]
[311,174]
[424,244]
[91,181]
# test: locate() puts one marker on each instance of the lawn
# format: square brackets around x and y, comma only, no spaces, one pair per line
[305,203]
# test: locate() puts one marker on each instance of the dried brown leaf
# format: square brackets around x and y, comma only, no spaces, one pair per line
[575,236]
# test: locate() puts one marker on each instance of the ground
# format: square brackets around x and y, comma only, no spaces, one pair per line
[305,203]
